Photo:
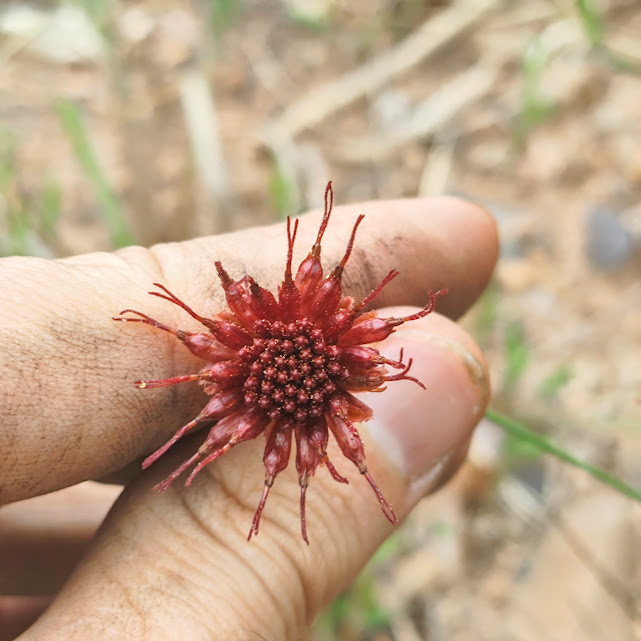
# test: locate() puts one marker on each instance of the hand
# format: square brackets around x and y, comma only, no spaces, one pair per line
[177,565]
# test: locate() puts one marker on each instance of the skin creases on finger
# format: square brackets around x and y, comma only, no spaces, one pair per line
[178,564]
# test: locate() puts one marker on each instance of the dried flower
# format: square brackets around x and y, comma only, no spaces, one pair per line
[287,366]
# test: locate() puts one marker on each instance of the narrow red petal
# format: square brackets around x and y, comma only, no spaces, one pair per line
[289,300]
[377,290]
[303,517]
[350,243]
[222,403]
[325,301]
[244,426]
[259,511]
[360,356]
[276,457]
[310,271]
[227,372]
[291,237]
[369,330]
[352,447]
[217,408]
[172,298]
[338,323]
[309,276]
[205,346]
[328,295]
[239,296]
[163,485]
[388,510]
[308,455]
[230,334]
[357,411]
[165,382]
[366,381]
[339,478]
[152,458]
[143,319]
[289,297]
[395,321]
[277,450]
[347,438]
[263,303]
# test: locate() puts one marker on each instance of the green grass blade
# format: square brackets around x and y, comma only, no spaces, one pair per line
[281,191]
[555,382]
[111,207]
[541,443]
[517,355]
[592,22]
[222,14]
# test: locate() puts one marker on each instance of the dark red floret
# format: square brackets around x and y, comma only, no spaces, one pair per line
[286,366]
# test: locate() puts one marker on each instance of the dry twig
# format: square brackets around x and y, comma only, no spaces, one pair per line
[431,115]
[320,103]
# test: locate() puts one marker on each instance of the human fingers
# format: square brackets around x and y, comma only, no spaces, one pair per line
[178,565]
[66,393]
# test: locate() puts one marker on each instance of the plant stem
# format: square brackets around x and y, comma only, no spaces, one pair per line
[544,445]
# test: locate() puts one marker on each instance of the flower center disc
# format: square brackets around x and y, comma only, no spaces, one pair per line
[293,371]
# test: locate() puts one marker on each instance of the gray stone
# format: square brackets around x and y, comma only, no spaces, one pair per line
[609,244]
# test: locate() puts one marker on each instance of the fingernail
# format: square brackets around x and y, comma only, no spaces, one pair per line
[419,430]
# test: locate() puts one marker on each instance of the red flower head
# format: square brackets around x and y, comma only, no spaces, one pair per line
[287,365]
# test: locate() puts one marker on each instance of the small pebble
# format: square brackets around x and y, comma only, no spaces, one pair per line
[609,244]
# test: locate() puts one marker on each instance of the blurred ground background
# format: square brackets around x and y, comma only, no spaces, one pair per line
[147,121]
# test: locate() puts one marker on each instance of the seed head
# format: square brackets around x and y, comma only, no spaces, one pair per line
[286,366]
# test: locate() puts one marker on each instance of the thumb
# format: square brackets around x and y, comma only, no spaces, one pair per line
[178,565]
